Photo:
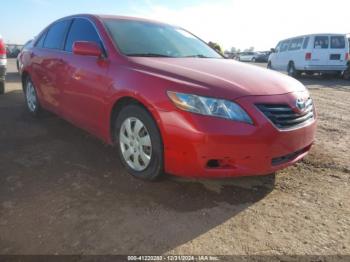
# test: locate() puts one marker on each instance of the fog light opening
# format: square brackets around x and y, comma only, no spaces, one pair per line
[213,163]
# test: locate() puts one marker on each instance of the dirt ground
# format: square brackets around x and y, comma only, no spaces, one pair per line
[64,192]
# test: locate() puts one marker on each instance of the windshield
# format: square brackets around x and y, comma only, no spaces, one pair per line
[138,38]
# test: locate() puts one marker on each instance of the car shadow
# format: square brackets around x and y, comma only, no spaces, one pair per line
[324,81]
[69,188]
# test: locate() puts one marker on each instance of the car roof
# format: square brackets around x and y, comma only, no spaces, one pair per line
[320,34]
[116,17]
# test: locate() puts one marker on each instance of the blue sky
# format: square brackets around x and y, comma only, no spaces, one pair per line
[22,19]
[239,23]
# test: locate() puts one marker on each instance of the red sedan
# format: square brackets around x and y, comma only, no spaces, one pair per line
[169,102]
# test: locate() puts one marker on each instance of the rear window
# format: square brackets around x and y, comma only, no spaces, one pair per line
[295,44]
[321,42]
[337,42]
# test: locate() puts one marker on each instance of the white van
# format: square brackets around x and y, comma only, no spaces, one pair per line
[317,53]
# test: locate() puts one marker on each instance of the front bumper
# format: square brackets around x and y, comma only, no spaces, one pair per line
[202,146]
[2,73]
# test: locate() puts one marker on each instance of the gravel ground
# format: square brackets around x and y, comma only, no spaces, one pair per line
[64,192]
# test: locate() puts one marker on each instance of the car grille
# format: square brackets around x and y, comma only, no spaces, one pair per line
[283,116]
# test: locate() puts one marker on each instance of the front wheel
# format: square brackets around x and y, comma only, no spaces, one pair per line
[269,65]
[292,71]
[139,143]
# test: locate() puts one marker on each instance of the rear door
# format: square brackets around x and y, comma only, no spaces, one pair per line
[338,50]
[48,66]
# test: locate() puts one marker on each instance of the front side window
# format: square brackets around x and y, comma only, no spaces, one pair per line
[278,47]
[139,38]
[55,35]
[321,42]
[284,46]
[337,42]
[81,30]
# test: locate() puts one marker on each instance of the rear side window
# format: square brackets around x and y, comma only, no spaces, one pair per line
[295,44]
[56,34]
[40,42]
[337,42]
[284,46]
[306,42]
[81,30]
[321,42]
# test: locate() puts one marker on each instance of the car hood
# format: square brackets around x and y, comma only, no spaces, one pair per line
[219,77]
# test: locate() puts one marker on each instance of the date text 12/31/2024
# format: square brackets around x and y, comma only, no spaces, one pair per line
[173,258]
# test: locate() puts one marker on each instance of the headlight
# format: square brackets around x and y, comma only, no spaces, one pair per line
[209,106]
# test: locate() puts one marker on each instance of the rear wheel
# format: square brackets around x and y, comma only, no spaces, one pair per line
[269,65]
[339,74]
[31,98]
[254,60]
[292,71]
[2,88]
[139,143]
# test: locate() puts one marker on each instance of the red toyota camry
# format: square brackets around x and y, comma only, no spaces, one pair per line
[165,99]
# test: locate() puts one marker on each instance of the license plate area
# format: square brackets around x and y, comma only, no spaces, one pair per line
[334,57]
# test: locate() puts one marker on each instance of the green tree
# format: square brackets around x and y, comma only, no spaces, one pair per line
[215,46]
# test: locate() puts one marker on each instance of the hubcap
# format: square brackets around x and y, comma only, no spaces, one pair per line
[31,97]
[135,144]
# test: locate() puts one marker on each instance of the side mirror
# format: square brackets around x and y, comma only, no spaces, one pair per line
[273,50]
[87,49]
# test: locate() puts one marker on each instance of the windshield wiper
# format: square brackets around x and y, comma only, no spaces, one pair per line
[148,55]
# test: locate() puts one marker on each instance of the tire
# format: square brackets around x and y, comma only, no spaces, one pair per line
[339,74]
[141,152]
[309,73]
[253,59]
[292,71]
[31,98]
[2,88]
[269,65]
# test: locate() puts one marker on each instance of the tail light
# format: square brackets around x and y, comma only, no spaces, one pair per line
[2,49]
[308,56]
[346,56]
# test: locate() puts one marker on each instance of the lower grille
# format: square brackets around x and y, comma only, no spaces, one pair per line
[284,159]
[283,116]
